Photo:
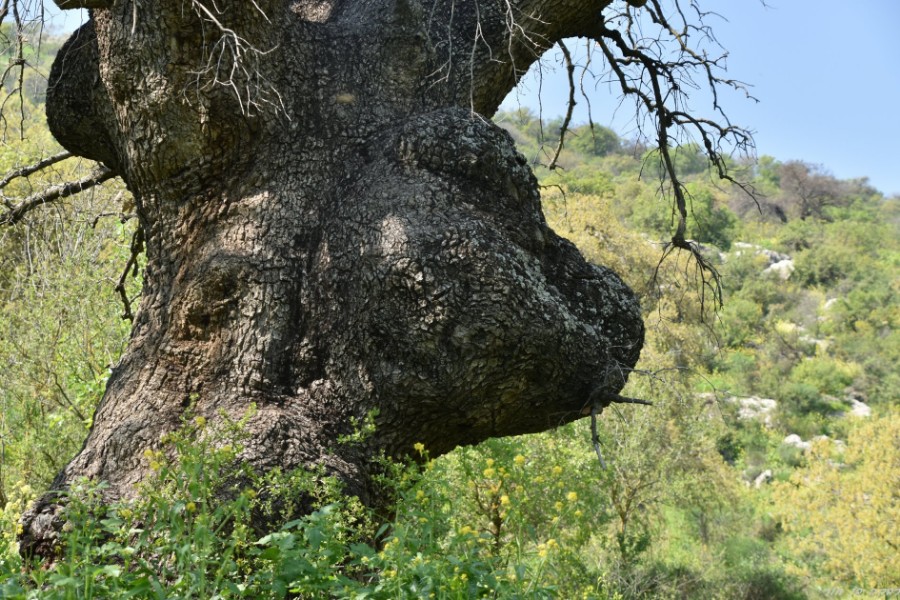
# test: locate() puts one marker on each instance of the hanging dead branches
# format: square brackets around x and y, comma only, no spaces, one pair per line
[24,31]
[659,74]
[661,57]
[233,62]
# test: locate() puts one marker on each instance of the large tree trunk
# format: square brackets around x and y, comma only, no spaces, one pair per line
[333,227]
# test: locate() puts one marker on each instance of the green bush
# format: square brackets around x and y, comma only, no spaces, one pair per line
[825,375]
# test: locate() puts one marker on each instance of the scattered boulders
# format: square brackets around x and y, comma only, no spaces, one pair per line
[856,406]
[857,402]
[859,409]
[780,265]
[763,478]
[796,441]
[755,408]
[782,269]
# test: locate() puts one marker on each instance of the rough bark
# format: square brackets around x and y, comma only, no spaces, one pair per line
[333,227]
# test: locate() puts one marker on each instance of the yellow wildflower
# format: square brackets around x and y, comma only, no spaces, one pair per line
[519,460]
[420,447]
[572,496]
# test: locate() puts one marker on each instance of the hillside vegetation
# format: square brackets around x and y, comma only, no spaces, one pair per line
[767,467]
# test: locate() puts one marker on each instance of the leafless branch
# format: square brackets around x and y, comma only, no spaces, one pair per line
[26,32]
[598,400]
[233,62]
[570,73]
[34,168]
[136,248]
[17,212]
[595,437]
[68,401]
[644,71]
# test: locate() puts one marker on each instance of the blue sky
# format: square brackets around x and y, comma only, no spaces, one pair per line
[826,72]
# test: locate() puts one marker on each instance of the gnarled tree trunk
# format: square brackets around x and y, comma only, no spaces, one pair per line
[333,226]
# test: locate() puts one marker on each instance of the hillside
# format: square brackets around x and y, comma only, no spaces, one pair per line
[767,467]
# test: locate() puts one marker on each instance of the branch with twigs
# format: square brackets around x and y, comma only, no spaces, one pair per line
[17,60]
[570,73]
[598,400]
[16,212]
[658,85]
[233,62]
[34,168]
[136,248]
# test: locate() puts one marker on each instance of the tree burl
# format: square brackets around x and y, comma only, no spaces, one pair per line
[334,228]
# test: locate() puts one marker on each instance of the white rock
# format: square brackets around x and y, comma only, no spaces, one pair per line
[782,269]
[772,256]
[796,441]
[763,478]
[859,409]
[756,408]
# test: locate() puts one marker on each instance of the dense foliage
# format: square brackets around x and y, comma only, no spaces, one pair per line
[768,466]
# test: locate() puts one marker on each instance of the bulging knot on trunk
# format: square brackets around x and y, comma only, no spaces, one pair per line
[472,318]
[377,255]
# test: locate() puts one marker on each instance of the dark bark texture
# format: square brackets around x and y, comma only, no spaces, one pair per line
[332,226]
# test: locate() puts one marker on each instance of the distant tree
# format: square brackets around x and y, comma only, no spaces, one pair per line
[806,190]
[595,140]
[711,223]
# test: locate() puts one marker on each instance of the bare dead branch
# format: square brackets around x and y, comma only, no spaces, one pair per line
[595,437]
[34,168]
[600,399]
[235,63]
[658,85]
[570,72]
[17,212]
[16,62]
[136,248]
